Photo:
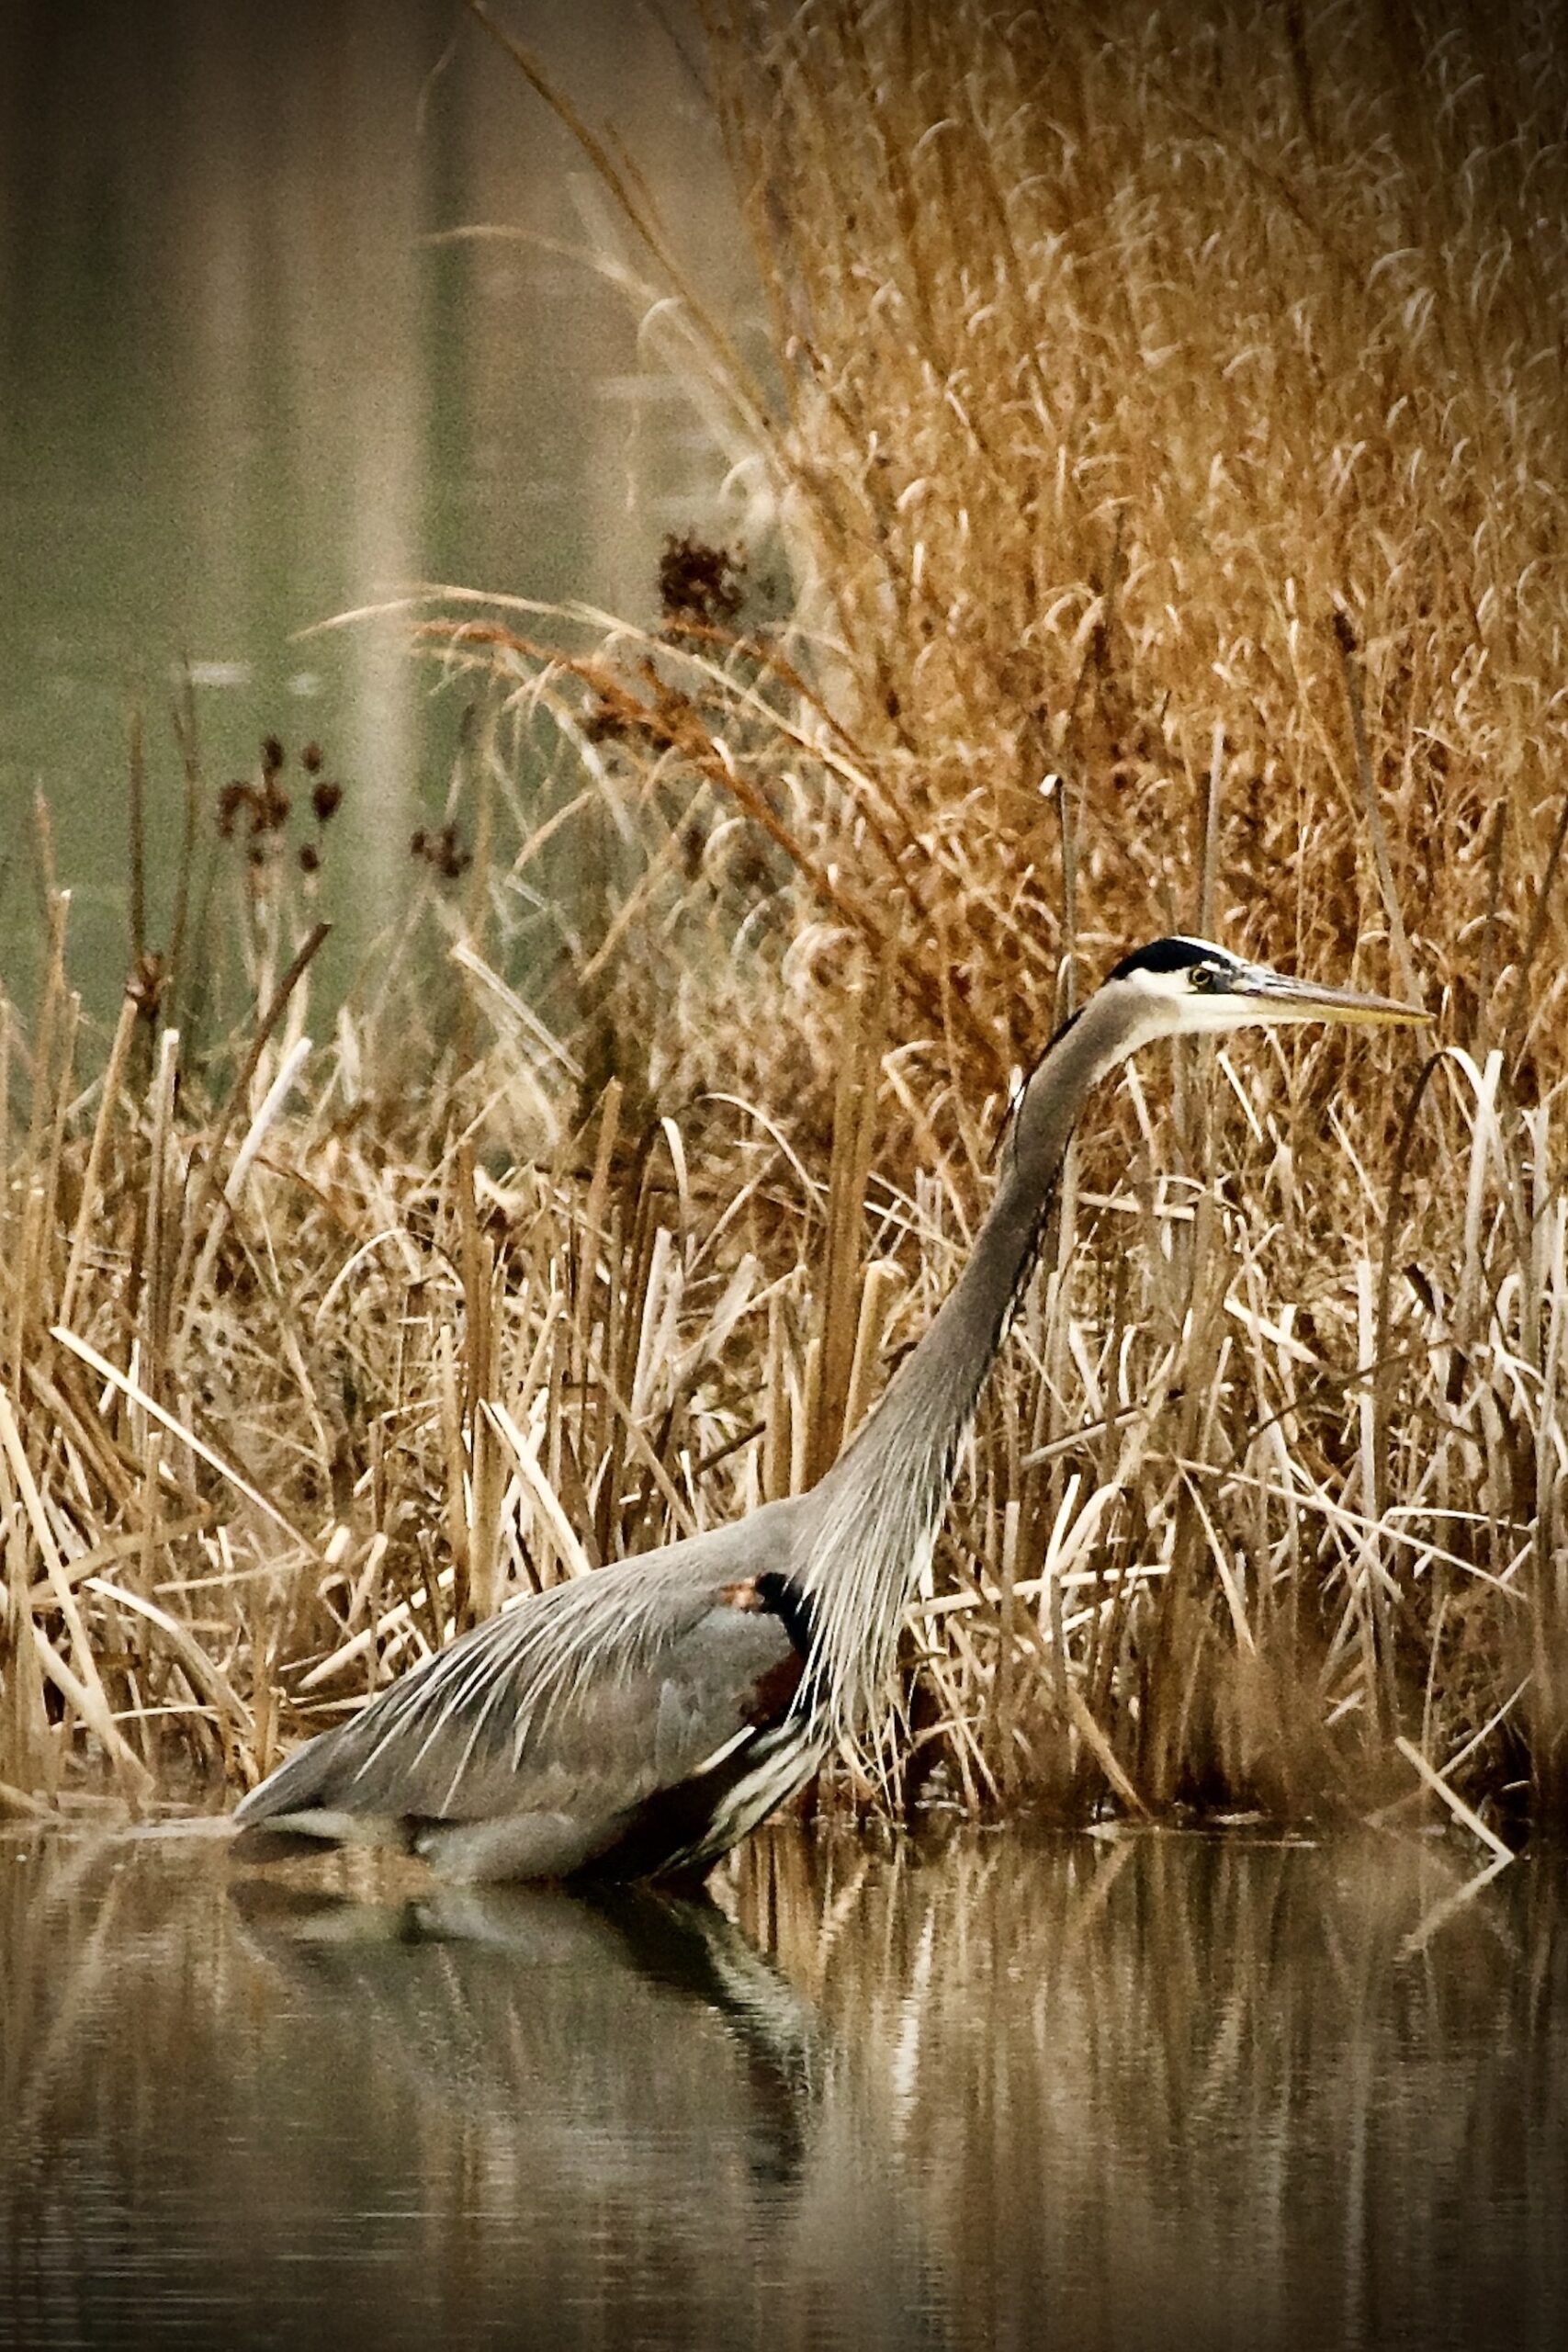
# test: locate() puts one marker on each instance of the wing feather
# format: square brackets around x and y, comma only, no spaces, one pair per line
[576,1705]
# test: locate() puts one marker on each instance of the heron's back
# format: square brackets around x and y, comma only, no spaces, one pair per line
[638,1720]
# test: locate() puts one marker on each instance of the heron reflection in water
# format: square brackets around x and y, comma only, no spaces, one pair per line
[462,1974]
[637,1723]
[623,2086]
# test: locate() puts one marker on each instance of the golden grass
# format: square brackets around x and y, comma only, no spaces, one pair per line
[1164,431]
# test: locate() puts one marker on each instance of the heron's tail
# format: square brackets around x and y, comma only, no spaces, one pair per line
[286,1836]
[286,1814]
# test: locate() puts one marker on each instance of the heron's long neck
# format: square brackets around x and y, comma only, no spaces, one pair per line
[873,1518]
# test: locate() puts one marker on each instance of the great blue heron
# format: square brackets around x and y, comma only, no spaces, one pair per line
[639,1721]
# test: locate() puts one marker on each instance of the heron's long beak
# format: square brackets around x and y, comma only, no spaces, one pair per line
[1271,997]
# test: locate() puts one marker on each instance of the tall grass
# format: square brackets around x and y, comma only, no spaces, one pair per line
[1160,421]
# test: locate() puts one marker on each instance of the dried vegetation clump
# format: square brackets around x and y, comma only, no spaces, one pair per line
[1162,428]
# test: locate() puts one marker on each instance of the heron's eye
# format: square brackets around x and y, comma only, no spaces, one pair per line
[1207,978]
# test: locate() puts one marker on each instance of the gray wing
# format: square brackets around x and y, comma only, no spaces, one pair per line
[539,1733]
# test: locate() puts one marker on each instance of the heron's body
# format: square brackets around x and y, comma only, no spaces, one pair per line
[487,1758]
[640,1721]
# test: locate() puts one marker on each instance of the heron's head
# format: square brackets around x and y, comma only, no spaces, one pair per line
[1191,988]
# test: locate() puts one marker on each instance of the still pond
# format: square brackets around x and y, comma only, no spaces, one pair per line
[996,2092]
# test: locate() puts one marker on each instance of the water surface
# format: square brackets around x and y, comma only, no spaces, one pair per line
[1013,2093]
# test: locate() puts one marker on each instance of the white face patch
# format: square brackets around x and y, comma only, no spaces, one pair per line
[1191,999]
[1195,988]
[1191,988]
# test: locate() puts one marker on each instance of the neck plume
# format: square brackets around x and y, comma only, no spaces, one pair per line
[873,1520]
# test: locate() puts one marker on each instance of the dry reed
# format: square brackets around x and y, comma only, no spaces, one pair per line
[1163,430]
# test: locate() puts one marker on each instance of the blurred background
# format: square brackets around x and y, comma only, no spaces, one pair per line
[248,381]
